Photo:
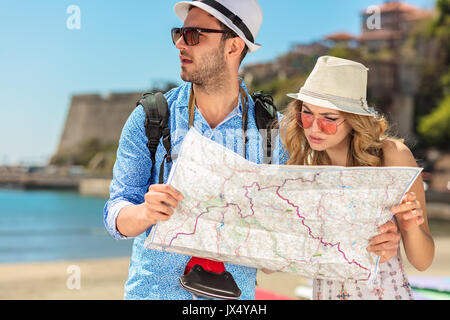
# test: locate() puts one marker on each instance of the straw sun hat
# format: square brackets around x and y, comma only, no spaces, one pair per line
[337,84]
[243,17]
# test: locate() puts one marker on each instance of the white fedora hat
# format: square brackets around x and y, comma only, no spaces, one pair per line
[242,16]
[337,84]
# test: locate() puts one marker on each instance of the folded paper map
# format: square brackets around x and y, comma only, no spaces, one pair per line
[315,221]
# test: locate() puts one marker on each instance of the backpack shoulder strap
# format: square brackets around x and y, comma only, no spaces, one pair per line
[156,122]
[266,118]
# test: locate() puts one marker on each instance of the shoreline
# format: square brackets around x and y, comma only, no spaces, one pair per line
[104,278]
[98,279]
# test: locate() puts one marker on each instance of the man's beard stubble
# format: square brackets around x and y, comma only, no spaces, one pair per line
[210,72]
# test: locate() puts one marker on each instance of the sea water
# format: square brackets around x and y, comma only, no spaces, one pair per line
[54,225]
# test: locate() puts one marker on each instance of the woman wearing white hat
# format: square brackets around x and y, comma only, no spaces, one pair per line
[330,123]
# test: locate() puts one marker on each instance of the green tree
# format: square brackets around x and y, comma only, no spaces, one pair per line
[435,127]
[434,87]
[278,88]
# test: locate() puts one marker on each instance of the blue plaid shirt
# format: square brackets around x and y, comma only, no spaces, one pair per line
[154,274]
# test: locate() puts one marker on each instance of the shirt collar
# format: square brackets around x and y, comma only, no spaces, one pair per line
[184,102]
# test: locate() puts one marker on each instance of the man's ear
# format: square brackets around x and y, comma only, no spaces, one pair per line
[235,47]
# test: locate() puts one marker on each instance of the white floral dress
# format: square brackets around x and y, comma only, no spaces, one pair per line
[391,283]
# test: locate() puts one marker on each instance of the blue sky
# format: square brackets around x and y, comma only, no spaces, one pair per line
[121,46]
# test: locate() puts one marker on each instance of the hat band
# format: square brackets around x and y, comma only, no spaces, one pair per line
[230,15]
[362,102]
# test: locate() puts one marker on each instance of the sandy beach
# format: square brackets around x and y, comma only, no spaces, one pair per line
[103,279]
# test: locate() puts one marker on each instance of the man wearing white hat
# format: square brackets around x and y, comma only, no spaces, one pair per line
[212,43]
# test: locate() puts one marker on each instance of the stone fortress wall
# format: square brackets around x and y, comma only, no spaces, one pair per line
[92,116]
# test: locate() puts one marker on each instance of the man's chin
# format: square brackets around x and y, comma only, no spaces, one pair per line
[190,78]
[184,76]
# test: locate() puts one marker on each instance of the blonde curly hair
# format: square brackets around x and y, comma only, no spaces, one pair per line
[366,142]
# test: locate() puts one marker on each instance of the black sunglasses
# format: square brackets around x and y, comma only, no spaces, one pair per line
[191,35]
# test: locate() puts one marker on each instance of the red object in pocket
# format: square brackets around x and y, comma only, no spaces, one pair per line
[208,265]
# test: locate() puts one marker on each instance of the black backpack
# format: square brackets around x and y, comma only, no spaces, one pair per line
[157,117]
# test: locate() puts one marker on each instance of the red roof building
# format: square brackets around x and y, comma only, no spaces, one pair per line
[389,24]
[341,36]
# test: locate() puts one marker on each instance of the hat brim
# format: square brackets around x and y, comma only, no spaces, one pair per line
[182,9]
[329,104]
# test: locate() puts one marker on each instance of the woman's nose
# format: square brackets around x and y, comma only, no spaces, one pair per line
[315,126]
